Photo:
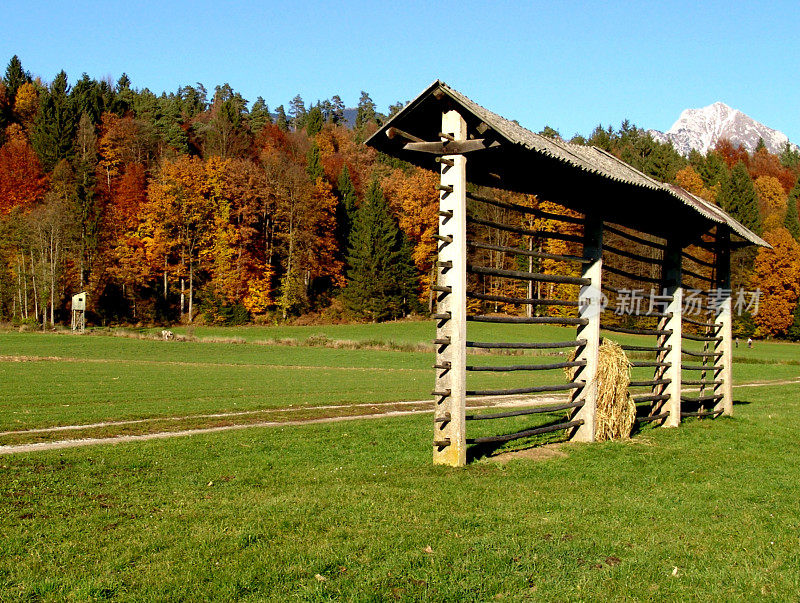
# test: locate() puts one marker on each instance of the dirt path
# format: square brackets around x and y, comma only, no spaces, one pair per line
[476,404]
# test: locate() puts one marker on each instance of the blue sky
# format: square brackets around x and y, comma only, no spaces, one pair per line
[570,65]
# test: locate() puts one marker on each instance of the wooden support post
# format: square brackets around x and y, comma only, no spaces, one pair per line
[672,322]
[723,366]
[449,440]
[590,301]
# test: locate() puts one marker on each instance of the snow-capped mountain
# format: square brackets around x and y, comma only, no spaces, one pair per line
[700,129]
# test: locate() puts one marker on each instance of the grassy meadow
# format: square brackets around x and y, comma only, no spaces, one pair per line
[354,510]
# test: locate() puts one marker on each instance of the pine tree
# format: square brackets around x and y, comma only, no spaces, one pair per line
[337,110]
[314,121]
[297,111]
[53,133]
[259,116]
[346,209]
[790,155]
[314,163]
[365,113]
[14,78]
[280,118]
[738,198]
[381,276]
[792,222]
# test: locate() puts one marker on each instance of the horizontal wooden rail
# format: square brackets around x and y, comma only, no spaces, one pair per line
[525,210]
[650,383]
[634,238]
[699,277]
[650,363]
[699,337]
[633,256]
[657,417]
[701,367]
[539,234]
[525,434]
[699,399]
[538,345]
[700,323]
[634,277]
[645,348]
[528,301]
[702,382]
[527,253]
[528,367]
[701,354]
[532,320]
[650,398]
[527,390]
[702,413]
[697,260]
[526,411]
[632,331]
[529,276]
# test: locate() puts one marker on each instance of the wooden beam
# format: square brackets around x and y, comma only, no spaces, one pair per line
[446,147]
[392,133]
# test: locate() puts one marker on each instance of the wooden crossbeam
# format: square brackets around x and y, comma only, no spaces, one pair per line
[459,147]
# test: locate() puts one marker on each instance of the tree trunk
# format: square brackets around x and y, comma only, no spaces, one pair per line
[191,285]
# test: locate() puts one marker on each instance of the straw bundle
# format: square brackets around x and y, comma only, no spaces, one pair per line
[616,411]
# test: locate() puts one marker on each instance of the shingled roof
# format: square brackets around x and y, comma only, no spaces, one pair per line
[580,177]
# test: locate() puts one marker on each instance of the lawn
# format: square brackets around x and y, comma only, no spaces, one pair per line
[62,379]
[356,511]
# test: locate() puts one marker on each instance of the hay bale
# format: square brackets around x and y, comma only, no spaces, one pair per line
[616,411]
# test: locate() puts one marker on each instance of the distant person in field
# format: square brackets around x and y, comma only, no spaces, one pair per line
[749,342]
[737,342]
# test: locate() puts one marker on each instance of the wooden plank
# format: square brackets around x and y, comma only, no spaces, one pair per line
[460,147]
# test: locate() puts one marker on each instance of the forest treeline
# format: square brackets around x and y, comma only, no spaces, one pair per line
[197,205]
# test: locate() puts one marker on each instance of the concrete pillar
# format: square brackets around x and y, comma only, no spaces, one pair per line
[723,364]
[590,300]
[449,440]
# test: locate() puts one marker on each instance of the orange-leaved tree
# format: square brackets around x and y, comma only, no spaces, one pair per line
[22,182]
[415,200]
[777,275]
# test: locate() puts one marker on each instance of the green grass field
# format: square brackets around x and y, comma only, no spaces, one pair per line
[354,510]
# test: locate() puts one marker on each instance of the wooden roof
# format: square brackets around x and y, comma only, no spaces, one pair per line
[505,155]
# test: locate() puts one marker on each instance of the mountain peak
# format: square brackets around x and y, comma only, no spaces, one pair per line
[700,129]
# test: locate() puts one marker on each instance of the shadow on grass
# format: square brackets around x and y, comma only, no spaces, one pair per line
[484,450]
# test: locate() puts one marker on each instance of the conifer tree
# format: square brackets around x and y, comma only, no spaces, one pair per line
[738,198]
[366,111]
[259,116]
[314,163]
[792,222]
[53,133]
[297,111]
[280,118]
[346,209]
[14,78]
[381,276]
[337,110]
[314,121]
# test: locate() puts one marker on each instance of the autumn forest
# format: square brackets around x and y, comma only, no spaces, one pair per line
[201,206]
